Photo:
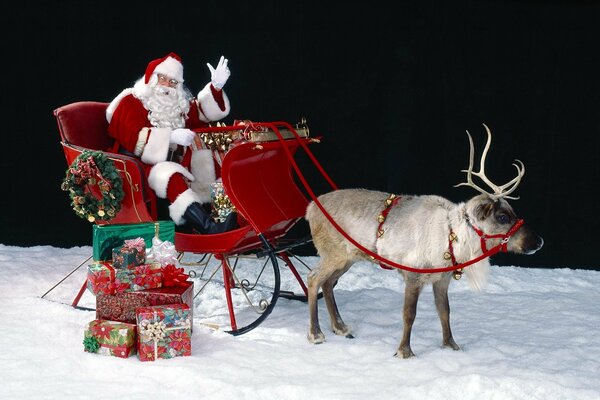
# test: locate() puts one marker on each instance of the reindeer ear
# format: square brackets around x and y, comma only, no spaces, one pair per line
[484,210]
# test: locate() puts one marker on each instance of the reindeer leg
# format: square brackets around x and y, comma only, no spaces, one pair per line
[337,324]
[315,280]
[411,297]
[440,294]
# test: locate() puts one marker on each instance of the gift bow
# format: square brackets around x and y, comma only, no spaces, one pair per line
[156,331]
[162,252]
[137,243]
[173,276]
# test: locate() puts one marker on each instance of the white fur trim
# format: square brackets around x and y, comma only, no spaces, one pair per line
[159,176]
[203,169]
[110,110]
[209,107]
[170,67]
[142,91]
[181,203]
[157,148]
[141,142]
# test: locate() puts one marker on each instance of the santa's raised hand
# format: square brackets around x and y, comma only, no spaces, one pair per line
[219,75]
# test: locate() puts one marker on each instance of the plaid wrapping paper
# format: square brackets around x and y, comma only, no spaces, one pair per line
[106,237]
[104,278]
[122,306]
[113,338]
[164,332]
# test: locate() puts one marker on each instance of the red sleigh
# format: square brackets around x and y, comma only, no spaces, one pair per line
[258,176]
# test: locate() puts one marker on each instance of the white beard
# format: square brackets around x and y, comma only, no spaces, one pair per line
[167,107]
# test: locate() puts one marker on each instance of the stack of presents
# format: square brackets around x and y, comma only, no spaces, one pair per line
[144,303]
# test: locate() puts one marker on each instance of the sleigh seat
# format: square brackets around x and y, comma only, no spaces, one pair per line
[83,126]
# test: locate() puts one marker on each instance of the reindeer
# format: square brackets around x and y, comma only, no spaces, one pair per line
[425,232]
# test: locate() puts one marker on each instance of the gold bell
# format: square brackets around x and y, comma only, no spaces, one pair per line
[457,274]
[447,255]
[452,237]
[381,218]
[390,200]
[380,233]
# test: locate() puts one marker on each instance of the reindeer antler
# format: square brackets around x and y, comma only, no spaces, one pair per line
[501,191]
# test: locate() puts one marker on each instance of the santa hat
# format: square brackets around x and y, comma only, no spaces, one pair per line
[170,65]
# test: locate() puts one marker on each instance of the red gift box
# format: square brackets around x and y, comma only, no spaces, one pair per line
[121,306]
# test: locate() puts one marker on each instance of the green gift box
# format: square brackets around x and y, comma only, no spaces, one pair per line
[107,237]
[110,338]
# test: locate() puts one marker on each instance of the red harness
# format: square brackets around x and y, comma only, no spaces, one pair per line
[483,236]
[359,246]
[393,199]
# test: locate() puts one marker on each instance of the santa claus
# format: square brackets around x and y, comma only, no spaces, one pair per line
[152,120]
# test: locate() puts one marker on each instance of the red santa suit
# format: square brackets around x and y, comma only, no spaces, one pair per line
[133,130]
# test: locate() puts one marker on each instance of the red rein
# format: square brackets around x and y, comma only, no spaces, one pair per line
[486,253]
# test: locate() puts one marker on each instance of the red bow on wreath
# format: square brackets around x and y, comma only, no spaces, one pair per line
[173,276]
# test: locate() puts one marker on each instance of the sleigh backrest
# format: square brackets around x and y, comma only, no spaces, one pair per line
[84,124]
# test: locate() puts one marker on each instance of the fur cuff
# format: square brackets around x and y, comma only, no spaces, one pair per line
[159,176]
[110,110]
[209,107]
[203,169]
[181,203]
[157,148]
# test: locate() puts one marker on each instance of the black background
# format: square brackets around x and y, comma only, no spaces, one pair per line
[390,90]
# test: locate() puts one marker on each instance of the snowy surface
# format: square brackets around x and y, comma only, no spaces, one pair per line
[532,334]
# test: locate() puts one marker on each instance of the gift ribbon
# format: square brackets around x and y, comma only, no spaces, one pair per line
[173,276]
[119,348]
[157,330]
[138,244]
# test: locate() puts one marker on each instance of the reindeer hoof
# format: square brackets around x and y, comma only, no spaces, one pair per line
[343,330]
[405,353]
[316,338]
[451,344]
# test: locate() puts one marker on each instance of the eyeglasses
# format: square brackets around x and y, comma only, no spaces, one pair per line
[163,79]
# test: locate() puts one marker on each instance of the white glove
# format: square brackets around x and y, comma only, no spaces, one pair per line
[182,136]
[219,75]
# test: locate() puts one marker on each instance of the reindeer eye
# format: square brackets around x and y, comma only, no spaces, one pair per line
[503,218]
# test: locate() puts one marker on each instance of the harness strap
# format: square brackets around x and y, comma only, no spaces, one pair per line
[390,202]
[483,237]
[362,248]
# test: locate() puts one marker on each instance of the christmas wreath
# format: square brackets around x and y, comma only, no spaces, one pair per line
[89,170]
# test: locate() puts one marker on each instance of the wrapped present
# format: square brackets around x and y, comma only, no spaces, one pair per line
[107,237]
[104,278]
[110,338]
[164,332]
[122,306]
[221,204]
[131,254]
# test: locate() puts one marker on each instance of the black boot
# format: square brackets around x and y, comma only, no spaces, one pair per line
[196,216]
